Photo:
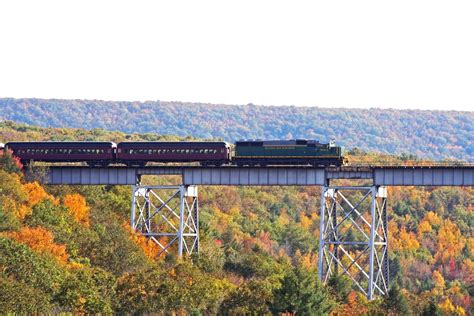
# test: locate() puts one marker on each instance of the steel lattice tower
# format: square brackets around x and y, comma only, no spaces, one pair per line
[354,237]
[168,215]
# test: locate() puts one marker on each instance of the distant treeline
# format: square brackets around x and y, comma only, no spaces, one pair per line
[426,134]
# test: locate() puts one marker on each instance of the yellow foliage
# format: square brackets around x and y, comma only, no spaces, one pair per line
[459,311]
[447,306]
[424,227]
[11,206]
[450,242]
[438,280]
[305,221]
[75,266]
[283,220]
[433,218]
[76,204]
[404,241]
[40,240]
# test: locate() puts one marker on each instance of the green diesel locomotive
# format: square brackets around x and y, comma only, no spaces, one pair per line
[287,152]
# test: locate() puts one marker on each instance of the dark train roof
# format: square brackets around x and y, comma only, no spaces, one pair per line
[277,142]
[141,144]
[53,144]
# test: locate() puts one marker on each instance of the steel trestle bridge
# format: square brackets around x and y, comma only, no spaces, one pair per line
[353,218]
[280,176]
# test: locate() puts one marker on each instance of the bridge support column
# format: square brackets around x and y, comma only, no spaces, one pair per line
[354,237]
[168,215]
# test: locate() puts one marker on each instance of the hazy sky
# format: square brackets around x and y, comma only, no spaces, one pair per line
[401,54]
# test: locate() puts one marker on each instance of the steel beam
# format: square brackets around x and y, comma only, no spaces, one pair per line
[259,176]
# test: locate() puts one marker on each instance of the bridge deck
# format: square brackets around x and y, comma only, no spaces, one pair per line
[281,175]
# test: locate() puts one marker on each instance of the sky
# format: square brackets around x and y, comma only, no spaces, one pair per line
[388,54]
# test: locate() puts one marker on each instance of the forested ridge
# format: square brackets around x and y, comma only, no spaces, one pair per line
[71,249]
[428,134]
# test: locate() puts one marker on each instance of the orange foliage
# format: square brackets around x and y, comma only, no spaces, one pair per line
[150,248]
[354,306]
[35,193]
[41,241]
[78,208]
[308,260]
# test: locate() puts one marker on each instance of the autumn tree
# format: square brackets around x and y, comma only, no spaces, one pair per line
[301,292]
[396,302]
[41,241]
[78,208]
[10,163]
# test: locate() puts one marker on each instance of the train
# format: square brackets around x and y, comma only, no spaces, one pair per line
[248,153]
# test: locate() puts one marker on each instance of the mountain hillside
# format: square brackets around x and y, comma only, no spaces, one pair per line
[69,249]
[427,134]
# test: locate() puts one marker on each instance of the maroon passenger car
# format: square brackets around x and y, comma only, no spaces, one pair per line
[93,153]
[206,153]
